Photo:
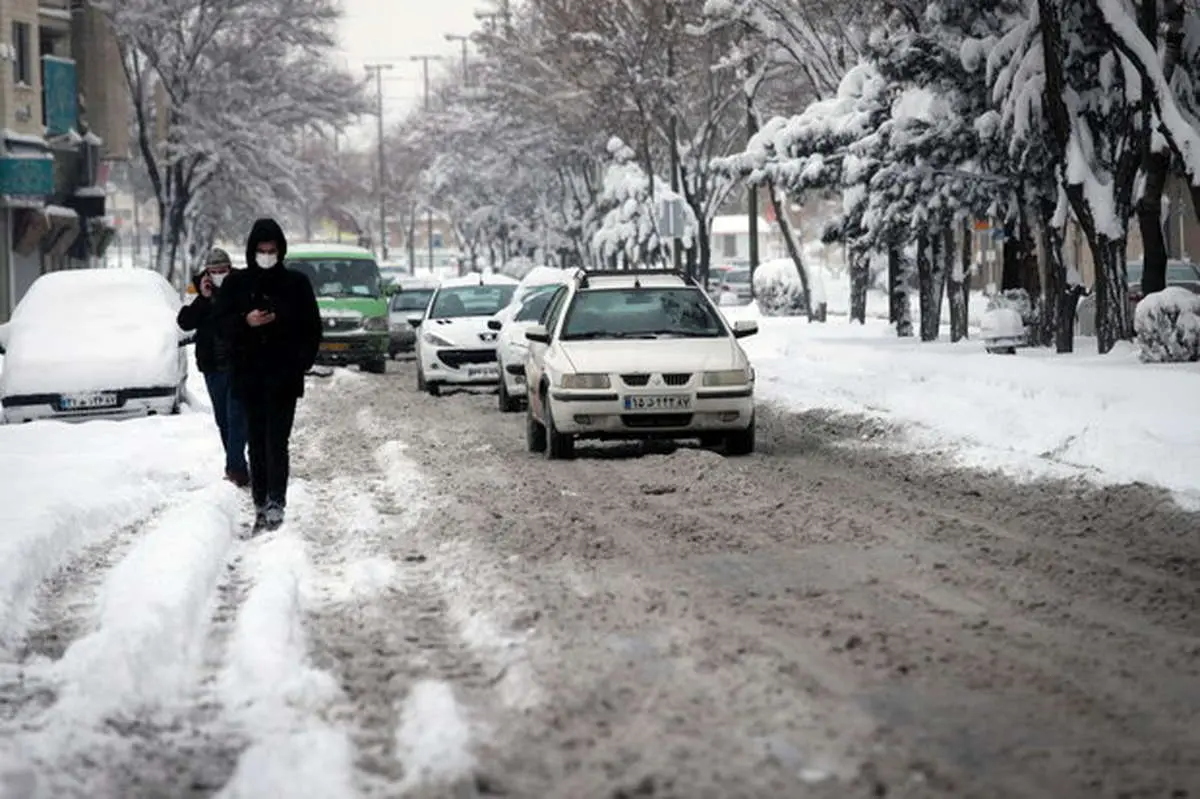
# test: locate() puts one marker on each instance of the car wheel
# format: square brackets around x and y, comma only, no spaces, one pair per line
[741,442]
[433,389]
[506,401]
[535,433]
[710,440]
[559,447]
[376,367]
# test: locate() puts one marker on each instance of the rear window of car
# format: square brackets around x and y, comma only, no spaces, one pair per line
[412,300]
[1182,273]
[737,276]
[641,313]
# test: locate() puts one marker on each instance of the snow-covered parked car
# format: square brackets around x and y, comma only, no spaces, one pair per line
[528,306]
[455,346]
[637,354]
[86,343]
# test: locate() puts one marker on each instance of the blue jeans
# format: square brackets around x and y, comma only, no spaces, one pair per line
[231,419]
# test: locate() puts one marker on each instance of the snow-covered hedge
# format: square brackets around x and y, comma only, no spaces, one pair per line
[778,289]
[1167,324]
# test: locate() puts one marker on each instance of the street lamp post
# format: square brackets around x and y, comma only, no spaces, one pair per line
[456,37]
[378,69]
[425,59]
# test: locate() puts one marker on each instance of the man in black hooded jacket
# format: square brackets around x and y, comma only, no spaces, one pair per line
[270,314]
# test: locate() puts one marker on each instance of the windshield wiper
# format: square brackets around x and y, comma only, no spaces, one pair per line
[677,333]
[597,334]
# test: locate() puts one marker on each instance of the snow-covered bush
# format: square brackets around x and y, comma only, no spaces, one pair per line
[778,289]
[1017,300]
[1167,324]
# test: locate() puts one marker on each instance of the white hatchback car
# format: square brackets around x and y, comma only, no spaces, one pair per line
[638,355]
[455,346]
[87,343]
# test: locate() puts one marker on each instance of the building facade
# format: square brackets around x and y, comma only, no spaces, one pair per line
[63,113]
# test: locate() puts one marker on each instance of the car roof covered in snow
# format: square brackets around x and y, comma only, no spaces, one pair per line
[315,250]
[77,290]
[608,280]
[475,280]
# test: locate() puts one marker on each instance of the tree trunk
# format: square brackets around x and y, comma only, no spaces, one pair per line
[860,279]
[789,241]
[1113,321]
[931,286]
[1155,165]
[899,305]
[959,280]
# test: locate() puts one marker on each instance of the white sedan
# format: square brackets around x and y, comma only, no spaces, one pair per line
[86,343]
[455,346]
[638,355]
[512,346]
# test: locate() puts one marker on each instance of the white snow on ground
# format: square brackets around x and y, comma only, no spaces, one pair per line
[65,486]
[1109,418]
[267,685]
[434,737]
[153,612]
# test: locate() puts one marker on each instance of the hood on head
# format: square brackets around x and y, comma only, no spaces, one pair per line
[265,229]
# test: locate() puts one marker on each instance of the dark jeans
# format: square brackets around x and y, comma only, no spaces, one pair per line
[231,419]
[270,411]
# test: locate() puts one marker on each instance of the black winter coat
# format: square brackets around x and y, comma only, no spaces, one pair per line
[274,356]
[214,350]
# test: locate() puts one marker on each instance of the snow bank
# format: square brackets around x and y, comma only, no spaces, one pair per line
[268,686]
[1167,324]
[1031,415]
[67,486]
[153,612]
[434,737]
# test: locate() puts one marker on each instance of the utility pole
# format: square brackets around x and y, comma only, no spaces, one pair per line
[378,69]
[307,201]
[425,59]
[455,37]
[676,245]
[752,191]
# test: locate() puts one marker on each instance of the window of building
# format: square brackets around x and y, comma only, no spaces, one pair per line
[729,247]
[22,54]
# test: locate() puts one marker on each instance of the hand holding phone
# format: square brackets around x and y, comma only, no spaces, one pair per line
[258,318]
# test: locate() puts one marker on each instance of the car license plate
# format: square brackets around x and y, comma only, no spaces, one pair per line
[79,402]
[334,346]
[482,372]
[661,402]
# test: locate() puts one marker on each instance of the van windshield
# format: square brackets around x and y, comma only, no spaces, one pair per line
[335,277]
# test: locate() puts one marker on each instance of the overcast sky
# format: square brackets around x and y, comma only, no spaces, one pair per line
[375,31]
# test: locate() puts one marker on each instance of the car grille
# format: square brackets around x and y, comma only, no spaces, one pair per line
[656,419]
[670,379]
[337,325]
[457,358]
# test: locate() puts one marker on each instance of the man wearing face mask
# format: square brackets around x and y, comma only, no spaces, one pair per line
[214,360]
[270,314]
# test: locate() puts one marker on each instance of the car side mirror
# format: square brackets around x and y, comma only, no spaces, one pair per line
[415,320]
[539,334]
[744,327]
[495,324]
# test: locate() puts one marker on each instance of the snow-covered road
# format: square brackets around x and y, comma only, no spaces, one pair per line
[444,615]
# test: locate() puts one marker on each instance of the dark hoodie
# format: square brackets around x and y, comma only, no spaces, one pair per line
[213,350]
[275,355]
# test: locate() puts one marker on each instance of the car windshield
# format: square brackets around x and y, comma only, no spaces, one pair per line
[1182,273]
[471,301]
[536,304]
[411,300]
[641,313]
[737,276]
[340,277]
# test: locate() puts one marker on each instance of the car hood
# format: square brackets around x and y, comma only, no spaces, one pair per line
[44,359]
[654,356]
[351,307]
[468,332]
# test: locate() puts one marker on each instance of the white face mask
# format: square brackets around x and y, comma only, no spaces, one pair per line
[218,279]
[265,261]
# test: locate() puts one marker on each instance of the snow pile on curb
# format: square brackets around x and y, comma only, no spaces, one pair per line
[68,486]
[268,687]
[1032,415]
[154,609]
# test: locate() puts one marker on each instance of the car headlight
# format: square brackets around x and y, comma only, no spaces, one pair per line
[585,381]
[434,340]
[376,323]
[728,377]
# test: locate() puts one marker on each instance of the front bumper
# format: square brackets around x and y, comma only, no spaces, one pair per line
[603,413]
[355,349]
[461,367]
[130,404]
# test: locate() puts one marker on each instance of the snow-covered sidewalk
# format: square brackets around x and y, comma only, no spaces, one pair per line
[1110,419]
